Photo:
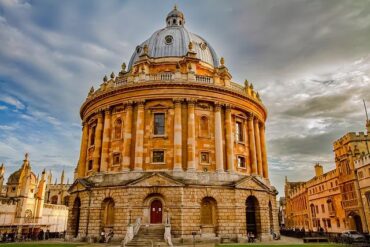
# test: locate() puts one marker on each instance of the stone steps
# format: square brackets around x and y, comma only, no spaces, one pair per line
[152,235]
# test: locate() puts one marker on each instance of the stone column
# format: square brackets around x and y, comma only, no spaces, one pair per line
[264,152]
[247,143]
[126,150]
[252,146]
[139,144]
[177,140]
[258,146]
[191,135]
[98,142]
[83,151]
[229,140]
[218,139]
[106,141]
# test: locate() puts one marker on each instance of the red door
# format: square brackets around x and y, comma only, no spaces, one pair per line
[156,212]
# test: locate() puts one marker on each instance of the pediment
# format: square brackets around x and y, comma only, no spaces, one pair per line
[79,185]
[155,180]
[251,183]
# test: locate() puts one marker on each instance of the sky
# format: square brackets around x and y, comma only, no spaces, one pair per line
[309,60]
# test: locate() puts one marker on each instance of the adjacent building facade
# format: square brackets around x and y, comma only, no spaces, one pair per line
[24,209]
[173,140]
[336,200]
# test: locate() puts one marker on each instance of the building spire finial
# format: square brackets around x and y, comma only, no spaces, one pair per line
[175,7]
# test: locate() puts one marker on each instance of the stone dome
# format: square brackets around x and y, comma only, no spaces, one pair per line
[173,41]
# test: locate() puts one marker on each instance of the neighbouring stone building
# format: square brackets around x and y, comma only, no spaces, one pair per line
[172,140]
[23,209]
[336,200]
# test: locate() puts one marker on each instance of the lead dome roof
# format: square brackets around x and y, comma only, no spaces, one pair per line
[173,41]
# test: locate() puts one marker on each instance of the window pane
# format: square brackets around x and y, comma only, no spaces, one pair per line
[204,157]
[158,156]
[159,124]
[239,132]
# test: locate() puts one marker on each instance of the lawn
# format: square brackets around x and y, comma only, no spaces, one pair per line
[281,245]
[38,244]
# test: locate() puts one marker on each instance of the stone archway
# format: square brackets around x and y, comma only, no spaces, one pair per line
[208,215]
[253,219]
[355,222]
[154,209]
[75,216]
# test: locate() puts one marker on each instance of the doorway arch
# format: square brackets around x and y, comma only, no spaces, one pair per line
[156,212]
[253,219]
[75,216]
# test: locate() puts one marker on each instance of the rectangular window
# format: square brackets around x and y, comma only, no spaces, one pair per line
[90,166]
[239,131]
[323,208]
[241,162]
[158,156]
[116,159]
[338,223]
[204,157]
[329,223]
[317,209]
[360,175]
[159,123]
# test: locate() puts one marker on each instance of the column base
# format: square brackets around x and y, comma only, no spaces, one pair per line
[178,169]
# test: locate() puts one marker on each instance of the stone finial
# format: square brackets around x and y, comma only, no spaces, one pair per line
[91,91]
[175,7]
[251,86]
[222,61]
[112,75]
[246,83]
[189,67]
[123,67]
[105,79]
[190,46]
[258,96]
[146,49]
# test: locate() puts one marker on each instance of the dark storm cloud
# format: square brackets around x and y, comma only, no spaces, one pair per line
[309,60]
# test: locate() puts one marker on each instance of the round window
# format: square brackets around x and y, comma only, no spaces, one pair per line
[138,49]
[168,39]
[203,46]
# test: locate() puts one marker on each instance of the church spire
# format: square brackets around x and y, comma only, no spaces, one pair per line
[62,178]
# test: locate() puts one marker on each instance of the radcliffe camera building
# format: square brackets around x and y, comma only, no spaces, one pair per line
[173,144]
[337,200]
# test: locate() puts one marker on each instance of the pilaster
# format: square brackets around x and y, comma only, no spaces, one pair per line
[83,151]
[229,140]
[252,146]
[264,152]
[139,144]
[177,136]
[218,139]
[191,135]
[258,147]
[106,140]
[98,142]
[126,150]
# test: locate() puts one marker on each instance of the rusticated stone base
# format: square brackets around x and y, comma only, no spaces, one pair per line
[183,206]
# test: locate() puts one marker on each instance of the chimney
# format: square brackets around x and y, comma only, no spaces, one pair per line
[318,170]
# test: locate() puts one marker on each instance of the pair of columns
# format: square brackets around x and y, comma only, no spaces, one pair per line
[258,160]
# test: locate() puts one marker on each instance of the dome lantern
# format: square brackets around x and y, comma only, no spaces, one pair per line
[175,18]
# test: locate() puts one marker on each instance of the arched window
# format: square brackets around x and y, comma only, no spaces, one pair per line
[118,129]
[54,199]
[204,126]
[208,211]
[108,212]
[75,216]
[92,135]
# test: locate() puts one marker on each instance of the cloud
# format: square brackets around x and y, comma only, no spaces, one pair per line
[308,59]
[12,101]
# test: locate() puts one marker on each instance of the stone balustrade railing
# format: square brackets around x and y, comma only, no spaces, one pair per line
[132,230]
[170,77]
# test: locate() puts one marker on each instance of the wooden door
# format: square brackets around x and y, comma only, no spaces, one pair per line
[156,212]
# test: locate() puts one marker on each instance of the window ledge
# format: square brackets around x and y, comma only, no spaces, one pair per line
[205,164]
[240,142]
[157,163]
[160,136]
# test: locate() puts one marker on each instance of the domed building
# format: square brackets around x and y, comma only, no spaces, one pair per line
[172,142]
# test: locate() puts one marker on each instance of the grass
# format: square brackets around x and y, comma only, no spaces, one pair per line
[281,245]
[38,244]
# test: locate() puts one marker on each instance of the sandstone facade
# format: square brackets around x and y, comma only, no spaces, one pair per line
[172,140]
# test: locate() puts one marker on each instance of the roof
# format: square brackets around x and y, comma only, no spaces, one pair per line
[173,41]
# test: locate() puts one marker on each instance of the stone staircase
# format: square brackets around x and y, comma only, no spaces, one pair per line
[148,235]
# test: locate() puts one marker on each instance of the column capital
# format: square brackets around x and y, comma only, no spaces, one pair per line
[218,106]
[128,103]
[177,100]
[107,110]
[228,107]
[250,116]
[140,103]
[191,100]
